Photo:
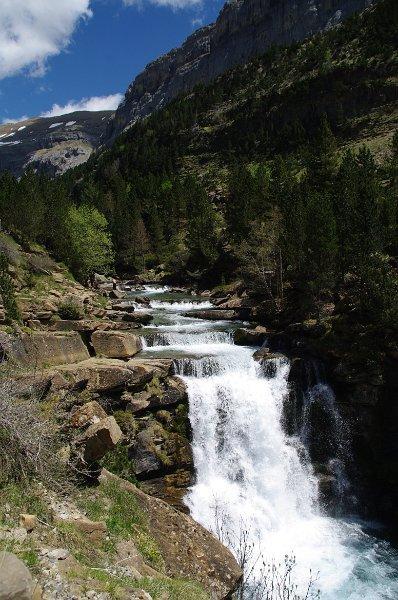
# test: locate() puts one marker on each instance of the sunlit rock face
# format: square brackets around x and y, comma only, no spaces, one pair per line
[52,144]
[243,30]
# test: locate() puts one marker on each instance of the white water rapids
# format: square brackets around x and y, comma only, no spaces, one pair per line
[250,475]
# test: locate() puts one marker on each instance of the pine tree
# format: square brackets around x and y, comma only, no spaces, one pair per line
[322,164]
[202,222]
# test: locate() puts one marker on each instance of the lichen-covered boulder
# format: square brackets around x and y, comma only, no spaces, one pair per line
[16,582]
[116,344]
[99,439]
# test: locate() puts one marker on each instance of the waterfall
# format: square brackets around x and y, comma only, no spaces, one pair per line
[323,433]
[255,484]
[184,339]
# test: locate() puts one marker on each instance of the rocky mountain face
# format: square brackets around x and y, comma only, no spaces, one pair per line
[52,144]
[243,30]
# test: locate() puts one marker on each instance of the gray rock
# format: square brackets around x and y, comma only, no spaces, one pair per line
[100,438]
[67,144]
[16,582]
[250,337]
[244,29]
[49,349]
[116,344]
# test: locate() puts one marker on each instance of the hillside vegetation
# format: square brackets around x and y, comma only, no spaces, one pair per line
[264,174]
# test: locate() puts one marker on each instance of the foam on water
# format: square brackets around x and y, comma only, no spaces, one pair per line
[177,323]
[251,475]
[152,289]
[183,306]
[181,339]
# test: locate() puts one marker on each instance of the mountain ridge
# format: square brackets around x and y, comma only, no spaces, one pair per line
[243,30]
[51,144]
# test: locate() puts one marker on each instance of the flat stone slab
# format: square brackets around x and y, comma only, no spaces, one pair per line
[49,349]
[116,344]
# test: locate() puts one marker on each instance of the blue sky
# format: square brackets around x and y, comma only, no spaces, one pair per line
[83,53]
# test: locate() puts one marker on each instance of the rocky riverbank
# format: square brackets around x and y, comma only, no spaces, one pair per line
[73,362]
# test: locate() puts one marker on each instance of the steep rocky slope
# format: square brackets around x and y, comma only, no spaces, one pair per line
[243,30]
[52,144]
[76,379]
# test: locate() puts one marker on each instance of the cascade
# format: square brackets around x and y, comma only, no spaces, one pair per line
[255,486]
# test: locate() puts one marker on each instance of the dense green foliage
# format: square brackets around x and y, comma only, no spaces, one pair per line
[88,247]
[40,210]
[7,291]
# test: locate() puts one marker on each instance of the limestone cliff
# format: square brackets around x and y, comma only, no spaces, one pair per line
[243,30]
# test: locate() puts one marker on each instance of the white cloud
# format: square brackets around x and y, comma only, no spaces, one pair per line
[197,22]
[95,103]
[5,121]
[33,30]
[170,3]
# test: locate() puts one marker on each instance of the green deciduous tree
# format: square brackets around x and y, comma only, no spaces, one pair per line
[88,246]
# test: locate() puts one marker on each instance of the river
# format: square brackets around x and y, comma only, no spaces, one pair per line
[254,485]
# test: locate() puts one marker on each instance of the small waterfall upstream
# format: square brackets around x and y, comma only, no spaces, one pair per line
[255,483]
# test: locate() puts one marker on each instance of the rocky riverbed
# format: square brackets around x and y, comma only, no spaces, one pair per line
[114,368]
[76,363]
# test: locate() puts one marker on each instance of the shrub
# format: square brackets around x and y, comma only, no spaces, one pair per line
[88,246]
[28,442]
[70,310]
[7,291]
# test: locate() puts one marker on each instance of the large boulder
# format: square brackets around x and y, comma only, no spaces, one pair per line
[107,375]
[16,582]
[99,439]
[88,414]
[125,306]
[157,367]
[156,450]
[250,337]
[116,344]
[203,559]
[50,349]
